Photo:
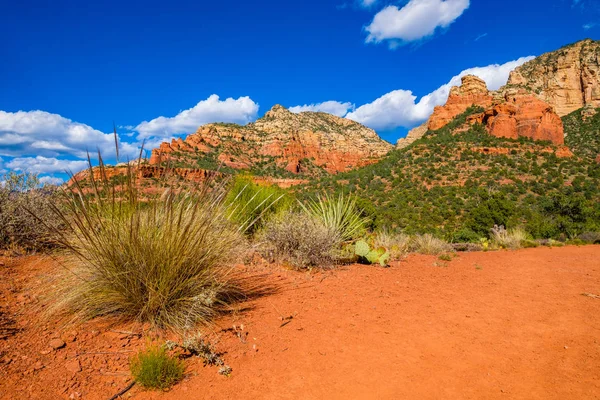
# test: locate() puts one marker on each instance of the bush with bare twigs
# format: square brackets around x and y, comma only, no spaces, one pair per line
[300,240]
[20,229]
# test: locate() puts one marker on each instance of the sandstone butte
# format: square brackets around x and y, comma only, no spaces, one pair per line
[509,113]
[294,142]
[567,79]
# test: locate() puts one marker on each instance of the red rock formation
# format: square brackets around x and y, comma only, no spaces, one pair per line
[508,113]
[524,116]
[145,171]
[295,142]
[473,91]
[567,79]
[561,152]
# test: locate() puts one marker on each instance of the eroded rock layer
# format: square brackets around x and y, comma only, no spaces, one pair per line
[509,113]
[293,142]
[567,79]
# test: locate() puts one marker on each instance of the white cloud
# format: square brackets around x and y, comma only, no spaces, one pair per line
[589,26]
[51,180]
[241,110]
[416,20]
[45,165]
[330,107]
[51,135]
[367,3]
[480,37]
[399,108]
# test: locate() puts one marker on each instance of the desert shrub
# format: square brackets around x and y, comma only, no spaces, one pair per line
[528,244]
[467,247]
[590,237]
[495,210]
[162,261]
[465,235]
[397,244]
[445,257]
[20,193]
[250,204]
[429,244]
[507,239]
[154,368]
[340,215]
[300,240]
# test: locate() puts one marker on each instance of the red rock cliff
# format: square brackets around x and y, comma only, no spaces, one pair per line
[509,112]
[294,142]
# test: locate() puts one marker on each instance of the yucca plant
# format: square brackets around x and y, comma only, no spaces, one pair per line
[162,260]
[340,215]
[250,205]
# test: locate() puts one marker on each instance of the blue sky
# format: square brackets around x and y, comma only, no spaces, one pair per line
[71,68]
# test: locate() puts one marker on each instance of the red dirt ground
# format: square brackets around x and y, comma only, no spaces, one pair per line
[495,325]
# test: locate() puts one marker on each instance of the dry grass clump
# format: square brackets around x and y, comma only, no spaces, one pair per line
[429,245]
[301,240]
[508,239]
[398,244]
[162,261]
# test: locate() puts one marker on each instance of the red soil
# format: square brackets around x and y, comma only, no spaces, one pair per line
[510,325]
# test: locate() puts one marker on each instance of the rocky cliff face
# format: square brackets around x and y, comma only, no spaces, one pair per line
[298,143]
[567,79]
[472,91]
[511,112]
[522,115]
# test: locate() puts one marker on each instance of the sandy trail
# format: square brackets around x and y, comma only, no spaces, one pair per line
[507,324]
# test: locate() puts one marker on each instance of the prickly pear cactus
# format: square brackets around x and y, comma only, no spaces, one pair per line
[372,256]
[362,248]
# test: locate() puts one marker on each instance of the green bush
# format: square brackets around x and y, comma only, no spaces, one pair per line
[495,210]
[465,235]
[155,369]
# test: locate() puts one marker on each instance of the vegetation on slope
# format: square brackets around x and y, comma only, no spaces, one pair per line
[448,184]
[583,136]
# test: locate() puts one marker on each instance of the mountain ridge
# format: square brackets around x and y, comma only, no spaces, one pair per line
[306,143]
